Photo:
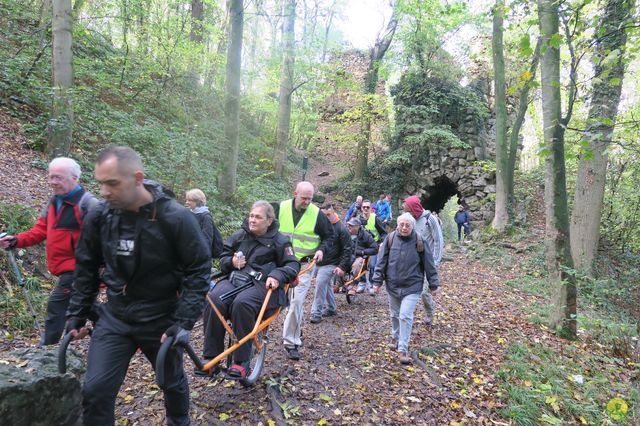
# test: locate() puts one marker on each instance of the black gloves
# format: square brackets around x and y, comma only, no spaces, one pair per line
[75,323]
[181,336]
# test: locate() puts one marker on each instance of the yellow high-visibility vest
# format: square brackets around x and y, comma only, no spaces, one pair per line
[303,238]
[371,226]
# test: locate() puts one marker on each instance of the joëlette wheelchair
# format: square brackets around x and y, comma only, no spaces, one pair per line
[258,337]
[349,283]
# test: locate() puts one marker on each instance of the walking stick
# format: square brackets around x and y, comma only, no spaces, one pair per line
[18,274]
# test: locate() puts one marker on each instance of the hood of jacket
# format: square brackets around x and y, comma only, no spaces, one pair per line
[200,210]
[414,205]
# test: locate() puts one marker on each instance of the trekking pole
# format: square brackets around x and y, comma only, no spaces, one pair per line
[18,274]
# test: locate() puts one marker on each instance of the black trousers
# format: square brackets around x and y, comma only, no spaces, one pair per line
[460,227]
[112,346]
[243,311]
[56,309]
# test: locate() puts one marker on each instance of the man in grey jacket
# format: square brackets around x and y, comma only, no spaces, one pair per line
[404,262]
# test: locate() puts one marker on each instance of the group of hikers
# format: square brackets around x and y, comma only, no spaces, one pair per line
[154,257]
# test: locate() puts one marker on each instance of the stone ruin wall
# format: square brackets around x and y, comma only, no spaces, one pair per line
[474,184]
[332,129]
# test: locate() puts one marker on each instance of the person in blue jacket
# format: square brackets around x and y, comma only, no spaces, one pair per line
[462,220]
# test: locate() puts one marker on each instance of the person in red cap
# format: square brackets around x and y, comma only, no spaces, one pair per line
[429,227]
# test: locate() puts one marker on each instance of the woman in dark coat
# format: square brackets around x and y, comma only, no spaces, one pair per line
[256,253]
[196,202]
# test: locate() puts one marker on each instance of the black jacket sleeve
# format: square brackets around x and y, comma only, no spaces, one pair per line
[88,262]
[367,246]
[217,245]
[206,224]
[324,230]
[229,248]
[195,264]
[344,238]
[288,265]
[381,229]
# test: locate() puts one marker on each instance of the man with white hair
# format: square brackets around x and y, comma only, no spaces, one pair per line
[60,223]
[404,260]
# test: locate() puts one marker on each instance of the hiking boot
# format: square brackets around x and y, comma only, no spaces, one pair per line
[293,353]
[428,322]
[393,344]
[372,291]
[315,319]
[329,313]
[404,358]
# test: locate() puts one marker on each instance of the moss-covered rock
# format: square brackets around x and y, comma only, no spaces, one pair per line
[32,392]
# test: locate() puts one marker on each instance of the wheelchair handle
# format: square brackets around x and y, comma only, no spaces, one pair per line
[62,353]
[161,358]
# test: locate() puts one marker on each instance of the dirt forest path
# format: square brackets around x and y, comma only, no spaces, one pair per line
[347,375]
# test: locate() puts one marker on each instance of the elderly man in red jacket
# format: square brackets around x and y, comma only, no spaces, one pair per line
[59,223]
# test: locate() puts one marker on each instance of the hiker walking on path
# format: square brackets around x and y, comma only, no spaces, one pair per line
[383,209]
[404,261]
[429,227]
[311,236]
[462,220]
[197,202]
[355,209]
[156,268]
[372,223]
[336,261]
[258,254]
[60,223]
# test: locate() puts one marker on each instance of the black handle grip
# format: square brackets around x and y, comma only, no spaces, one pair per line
[62,353]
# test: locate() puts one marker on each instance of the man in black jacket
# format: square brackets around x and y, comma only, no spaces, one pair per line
[336,261]
[362,244]
[156,268]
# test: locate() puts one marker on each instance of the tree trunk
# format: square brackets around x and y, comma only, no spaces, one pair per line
[371,82]
[514,135]
[558,251]
[501,216]
[227,177]
[592,167]
[286,88]
[197,18]
[60,126]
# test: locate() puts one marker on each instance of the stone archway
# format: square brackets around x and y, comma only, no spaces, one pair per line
[456,172]
[437,195]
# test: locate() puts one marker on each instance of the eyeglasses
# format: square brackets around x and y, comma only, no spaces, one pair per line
[404,225]
[366,207]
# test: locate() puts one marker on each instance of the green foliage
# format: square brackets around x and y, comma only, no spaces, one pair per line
[541,385]
[16,218]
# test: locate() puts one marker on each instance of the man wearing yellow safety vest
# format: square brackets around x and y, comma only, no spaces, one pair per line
[374,225]
[311,235]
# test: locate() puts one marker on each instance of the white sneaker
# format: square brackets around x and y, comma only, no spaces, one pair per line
[361,288]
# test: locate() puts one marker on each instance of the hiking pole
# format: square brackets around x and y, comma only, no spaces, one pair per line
[16,272]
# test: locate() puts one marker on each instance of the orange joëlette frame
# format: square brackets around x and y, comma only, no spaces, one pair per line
[363,270]
[259,326]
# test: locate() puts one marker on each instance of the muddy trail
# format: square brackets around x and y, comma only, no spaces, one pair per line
[347,375]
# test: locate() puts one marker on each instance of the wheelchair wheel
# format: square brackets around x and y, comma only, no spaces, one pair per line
[256,360]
